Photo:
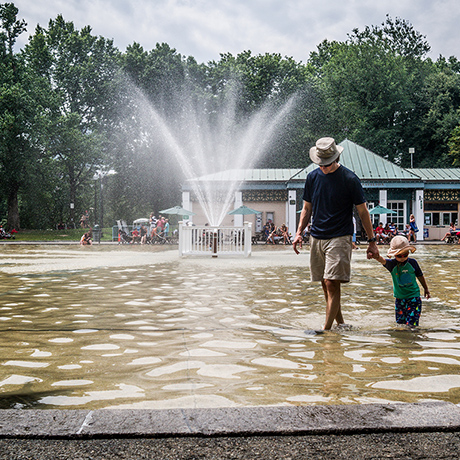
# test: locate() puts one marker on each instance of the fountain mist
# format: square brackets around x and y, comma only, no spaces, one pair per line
[209,136]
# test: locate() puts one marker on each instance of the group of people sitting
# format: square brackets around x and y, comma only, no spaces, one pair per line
[384,234]
[158,229]
[275,234]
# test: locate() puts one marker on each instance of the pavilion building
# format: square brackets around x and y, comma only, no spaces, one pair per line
[432,195]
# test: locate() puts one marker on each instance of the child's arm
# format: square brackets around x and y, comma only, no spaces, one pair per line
[380,259]
[425,286]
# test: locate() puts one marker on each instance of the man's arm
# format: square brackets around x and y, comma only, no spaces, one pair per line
[365,217]
[305,216]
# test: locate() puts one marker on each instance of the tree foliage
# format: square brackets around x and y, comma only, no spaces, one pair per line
[71,105]
[18,113]
[80,71]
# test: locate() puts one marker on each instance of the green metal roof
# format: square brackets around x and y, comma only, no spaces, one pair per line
[367,165]
[251,175]
[438,174]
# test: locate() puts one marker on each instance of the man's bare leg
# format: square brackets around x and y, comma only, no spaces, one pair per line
[332,293]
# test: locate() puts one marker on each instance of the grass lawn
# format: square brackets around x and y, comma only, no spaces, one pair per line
[58,235]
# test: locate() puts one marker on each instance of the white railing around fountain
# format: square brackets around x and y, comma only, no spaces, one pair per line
[215,241]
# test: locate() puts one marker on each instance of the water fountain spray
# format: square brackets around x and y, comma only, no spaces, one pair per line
[206,137]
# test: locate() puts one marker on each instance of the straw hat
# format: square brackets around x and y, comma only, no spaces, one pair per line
[325,151]
[399,244]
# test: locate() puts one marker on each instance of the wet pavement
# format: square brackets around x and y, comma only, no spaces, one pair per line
[412,431]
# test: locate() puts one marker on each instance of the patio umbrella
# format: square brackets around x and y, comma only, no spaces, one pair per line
[381,210]
[244,210]
[178,211]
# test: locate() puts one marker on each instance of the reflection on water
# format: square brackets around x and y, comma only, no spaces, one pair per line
[109,327]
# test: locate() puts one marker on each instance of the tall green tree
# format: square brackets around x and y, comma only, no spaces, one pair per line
[17,112]
[81,70]
[454,147]
[377,87]
[441,115]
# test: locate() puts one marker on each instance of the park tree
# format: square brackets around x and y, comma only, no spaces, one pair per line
[81,71]
[441,113]
[378,86]
[454,147]
[18,113]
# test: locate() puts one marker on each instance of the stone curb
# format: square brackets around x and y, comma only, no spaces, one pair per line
[240,421]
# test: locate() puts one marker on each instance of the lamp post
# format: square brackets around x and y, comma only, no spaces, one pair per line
[411,151]
[100,175]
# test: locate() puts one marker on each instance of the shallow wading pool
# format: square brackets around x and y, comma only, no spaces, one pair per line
[137,327]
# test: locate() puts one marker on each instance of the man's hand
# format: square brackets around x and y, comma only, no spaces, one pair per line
[372,251]
[297,241]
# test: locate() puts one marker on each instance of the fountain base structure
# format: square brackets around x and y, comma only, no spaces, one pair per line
[215,241]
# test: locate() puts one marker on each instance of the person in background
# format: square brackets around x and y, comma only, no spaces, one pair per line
[87,239]
[451,232]
[413,229]
[380,234]
[143,234]
[353,241]
[136,236]
[285,234]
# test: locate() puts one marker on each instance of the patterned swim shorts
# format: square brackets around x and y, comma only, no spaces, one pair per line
[408,311]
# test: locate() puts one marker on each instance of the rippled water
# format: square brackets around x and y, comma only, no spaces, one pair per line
[134,327]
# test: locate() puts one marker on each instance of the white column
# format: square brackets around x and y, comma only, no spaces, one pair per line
[383,201]
[291,220]
[417,207]
[187,204]
[181,238]
[247,239]
[238,218]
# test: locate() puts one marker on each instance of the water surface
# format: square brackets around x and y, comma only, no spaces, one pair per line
[138,327]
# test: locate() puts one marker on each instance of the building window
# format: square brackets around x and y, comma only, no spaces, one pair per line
[399,218]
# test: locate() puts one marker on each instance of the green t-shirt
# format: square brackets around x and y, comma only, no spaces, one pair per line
[404,276]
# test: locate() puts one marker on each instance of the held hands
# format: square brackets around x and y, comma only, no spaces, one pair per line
[372,251]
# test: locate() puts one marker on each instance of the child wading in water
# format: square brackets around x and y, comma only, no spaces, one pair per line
[405,271]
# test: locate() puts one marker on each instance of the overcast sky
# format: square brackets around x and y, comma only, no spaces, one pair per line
[206,28]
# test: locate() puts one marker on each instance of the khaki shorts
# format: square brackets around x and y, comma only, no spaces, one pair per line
[331,259]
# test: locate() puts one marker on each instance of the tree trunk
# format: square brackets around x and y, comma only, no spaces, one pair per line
[13,209]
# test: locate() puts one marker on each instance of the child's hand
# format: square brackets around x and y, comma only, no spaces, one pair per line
[427,294]
[372,251]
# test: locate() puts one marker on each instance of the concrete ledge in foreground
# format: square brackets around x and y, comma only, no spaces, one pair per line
[240,421]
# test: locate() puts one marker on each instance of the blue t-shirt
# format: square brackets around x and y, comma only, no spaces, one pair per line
[404,277]
[332,197]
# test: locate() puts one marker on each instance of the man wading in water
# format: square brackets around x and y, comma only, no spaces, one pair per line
[330,193]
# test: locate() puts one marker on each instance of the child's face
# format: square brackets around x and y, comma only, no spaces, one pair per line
[402,256]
